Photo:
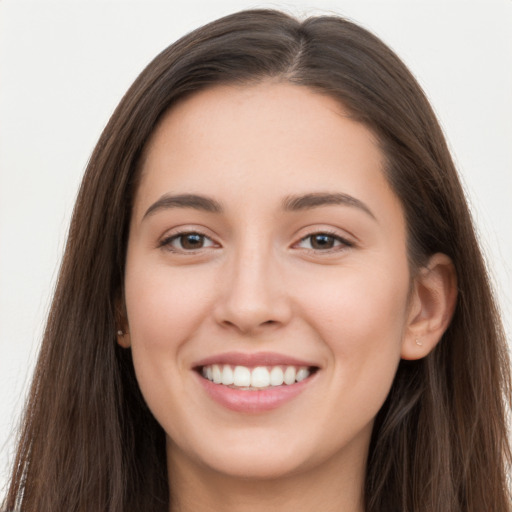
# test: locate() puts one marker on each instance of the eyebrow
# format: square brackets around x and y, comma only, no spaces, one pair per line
[319,199]
[193,201]
[290,203]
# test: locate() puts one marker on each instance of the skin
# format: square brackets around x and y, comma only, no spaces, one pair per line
[258,283]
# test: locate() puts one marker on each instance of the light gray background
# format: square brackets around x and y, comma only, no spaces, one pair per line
[65,65]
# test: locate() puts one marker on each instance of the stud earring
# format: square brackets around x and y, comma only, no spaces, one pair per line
[120,332]
[418,342]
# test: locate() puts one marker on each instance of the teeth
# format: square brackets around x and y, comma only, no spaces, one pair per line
[289,375]
[242,376]
[302,374]
[276,376]
[216,374]
[227,375]
[254,378]
[260,377]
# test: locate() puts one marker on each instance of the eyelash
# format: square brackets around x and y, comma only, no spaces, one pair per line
[343,243]
[168,241]
[340,242]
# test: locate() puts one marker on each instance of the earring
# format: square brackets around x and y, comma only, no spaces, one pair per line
[120,332]
[418,342]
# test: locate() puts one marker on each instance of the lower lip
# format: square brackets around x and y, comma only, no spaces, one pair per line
[254,401]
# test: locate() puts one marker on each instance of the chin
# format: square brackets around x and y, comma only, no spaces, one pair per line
[247,460]
[259,468]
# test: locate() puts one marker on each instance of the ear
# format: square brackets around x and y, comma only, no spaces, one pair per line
[123,338]
[122,330]
[432,304]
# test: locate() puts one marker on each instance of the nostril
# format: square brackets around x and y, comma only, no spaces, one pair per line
[249,325]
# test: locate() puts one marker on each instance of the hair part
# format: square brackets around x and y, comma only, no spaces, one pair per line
[439,444]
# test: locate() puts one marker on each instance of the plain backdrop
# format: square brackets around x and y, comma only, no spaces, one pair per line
[65,65]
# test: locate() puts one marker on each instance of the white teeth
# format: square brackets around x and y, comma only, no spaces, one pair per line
[289,375]
[255,378]
[227,375]
[216,374]
[260,377]
[242,376]
[276,376]
[302,374]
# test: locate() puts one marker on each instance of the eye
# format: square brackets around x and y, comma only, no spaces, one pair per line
[185,242]
[323,242]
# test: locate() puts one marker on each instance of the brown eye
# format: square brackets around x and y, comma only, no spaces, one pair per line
[187,242]
[323,242]
[191,241]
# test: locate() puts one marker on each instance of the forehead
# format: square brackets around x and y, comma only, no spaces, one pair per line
[239,121]
[261,141]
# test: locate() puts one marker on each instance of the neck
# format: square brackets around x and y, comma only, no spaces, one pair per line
[335,485]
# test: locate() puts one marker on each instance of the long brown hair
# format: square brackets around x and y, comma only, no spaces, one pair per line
[89,442]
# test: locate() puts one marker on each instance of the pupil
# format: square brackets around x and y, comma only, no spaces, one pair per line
[322,242]
[192,241]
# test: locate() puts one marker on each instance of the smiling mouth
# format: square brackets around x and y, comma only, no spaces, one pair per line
[245,378]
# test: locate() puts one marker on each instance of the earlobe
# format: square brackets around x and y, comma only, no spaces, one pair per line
[432,305]
[123,338]
[122,333]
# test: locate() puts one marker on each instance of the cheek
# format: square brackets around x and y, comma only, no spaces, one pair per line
[357,300]
[360,316]
[163,305]
[164,309]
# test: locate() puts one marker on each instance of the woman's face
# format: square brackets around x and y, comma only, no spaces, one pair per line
[265,244]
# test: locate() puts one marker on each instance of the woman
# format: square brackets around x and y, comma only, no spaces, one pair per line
[272,295]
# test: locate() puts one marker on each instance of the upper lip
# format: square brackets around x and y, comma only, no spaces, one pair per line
[253,359]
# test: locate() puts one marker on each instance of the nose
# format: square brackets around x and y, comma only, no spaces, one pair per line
[253,297]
